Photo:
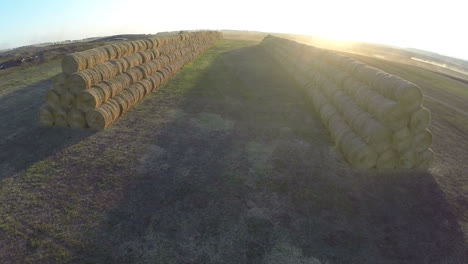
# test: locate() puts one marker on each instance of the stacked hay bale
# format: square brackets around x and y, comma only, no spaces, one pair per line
[376,119]
[99,85]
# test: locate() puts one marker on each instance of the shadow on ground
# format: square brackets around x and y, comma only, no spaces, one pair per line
[23,140]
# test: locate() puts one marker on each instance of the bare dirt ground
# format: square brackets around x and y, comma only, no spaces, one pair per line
[227,163]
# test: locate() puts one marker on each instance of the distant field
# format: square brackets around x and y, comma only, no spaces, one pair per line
[226,163]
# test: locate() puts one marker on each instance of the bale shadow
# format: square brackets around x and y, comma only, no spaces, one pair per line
[22,138]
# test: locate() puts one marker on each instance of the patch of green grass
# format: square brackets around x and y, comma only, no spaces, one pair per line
[23,78]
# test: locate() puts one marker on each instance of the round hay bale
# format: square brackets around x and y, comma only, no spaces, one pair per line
[402,140]
[73,62]
[118,66]
[356,152]
[135,74]
[135,46]
[132,60]
[67,99]
[83,80]
[76,119]
[148,85]
[46,116]
[372,132]
[148,43]
[161,77]
[99,118]
[145,56]
[145,69]
[407,160]
[60,116]
[90,99]
[408,94]
[155,80]
[123,102]
[141,90]
[317,98]
[106,71]
[127,49]
[104,89]
[120,50]
[422,140]
[156,52]
[154,65]
[424,159]
[53,99]
[420,120]
[155,42]
[59,82]
[387,160]
[135,94]
[115,109]
[113,87]
[327,112]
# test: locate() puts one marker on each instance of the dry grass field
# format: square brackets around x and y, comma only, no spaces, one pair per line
[226,163]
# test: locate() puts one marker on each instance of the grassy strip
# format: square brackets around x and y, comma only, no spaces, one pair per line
[26,77]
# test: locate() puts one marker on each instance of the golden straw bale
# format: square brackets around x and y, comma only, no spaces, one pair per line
[370,130]
[156,52]
[83,80]
[60,116]
[154,65]
[141,90]
[155,42]
[104,90]
[356,152]
[406,93]
[113,87]
[67,99]
[145,69]
[407,159]
[53,99]
[134,92]
[99,118]
[123,101]
[135,74]
[148,85]
[119,49]
[133,60]
[59,83]
[155,80]
[149,44]
[161,77]
[146,55]
[46,116]
[76,118]
[420,120]
[73,62]
[327,112]
[424,159]
[422,140]
[90,99]
[387,159]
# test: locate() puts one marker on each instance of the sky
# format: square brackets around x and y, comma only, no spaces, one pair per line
[436,26]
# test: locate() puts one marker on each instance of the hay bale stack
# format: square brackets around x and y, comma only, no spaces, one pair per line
[97,86]
[360,105]
[46,115]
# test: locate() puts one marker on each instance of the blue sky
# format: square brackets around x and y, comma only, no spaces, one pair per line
[436,26]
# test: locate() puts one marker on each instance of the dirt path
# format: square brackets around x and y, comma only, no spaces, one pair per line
[225,164]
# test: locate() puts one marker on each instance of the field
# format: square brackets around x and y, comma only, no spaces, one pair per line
[226,163]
